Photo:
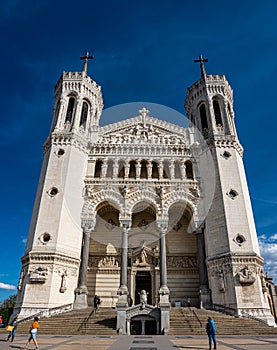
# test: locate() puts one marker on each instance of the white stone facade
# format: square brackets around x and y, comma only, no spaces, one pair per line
[142,204]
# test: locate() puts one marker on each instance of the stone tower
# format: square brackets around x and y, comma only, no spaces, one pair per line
[51,261]
[233,261]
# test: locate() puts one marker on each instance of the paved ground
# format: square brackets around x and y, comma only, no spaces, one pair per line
[64,342]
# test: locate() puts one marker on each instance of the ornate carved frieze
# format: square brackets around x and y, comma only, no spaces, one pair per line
[246,275]
[38,274]
[182,262]
[96,262]
[243,268]
[52,259]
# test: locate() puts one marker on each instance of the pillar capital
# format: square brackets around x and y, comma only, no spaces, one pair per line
[162,224]
[125,223]
[88,224]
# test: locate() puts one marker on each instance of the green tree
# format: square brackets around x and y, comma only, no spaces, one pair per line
[6,308]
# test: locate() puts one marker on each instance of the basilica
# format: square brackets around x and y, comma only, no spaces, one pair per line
[144,213]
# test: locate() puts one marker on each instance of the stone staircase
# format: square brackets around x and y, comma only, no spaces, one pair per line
[192,321]
[103,322]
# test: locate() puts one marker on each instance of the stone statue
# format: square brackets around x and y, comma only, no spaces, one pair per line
[221,281]
[143,297]
[245,276]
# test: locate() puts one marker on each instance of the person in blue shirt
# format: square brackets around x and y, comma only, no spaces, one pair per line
[211,331]
[11,335]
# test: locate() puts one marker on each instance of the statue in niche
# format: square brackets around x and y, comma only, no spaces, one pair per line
[22,275]
[262,276]
[143,297]
[221,284]
[245,276]
[63,282]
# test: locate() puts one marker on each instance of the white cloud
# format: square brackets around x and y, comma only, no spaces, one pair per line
[268,247]
[7,286]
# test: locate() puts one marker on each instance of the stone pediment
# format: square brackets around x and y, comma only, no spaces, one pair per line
[143,130]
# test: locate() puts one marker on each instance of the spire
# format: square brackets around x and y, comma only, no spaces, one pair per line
[86,58]
[201,60]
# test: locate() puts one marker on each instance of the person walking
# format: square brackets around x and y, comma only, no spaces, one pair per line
[211,331]
[96,302]
[33,334]
[14,324]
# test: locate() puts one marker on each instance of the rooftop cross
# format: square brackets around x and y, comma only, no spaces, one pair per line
[202,60]
[143,112]
[86,58]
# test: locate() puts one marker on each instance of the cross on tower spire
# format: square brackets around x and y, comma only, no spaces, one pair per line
[86,58]
[201,60]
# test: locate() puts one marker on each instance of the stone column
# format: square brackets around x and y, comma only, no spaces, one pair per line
[138,169]
[81,291]
[126,169]
[160,170]
[205,299]
[115,168]
[142,327]
[61,116]
[172,169]
[122,302]
[104,168]
[164,303]
[149,169]
[76,121]
[183,170]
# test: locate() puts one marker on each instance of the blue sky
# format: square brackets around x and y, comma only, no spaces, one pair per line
[144,51]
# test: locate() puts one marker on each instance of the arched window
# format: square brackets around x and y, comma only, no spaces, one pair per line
[203,117]
[84,115]
[132,169]
[217,113]
[143,171]
[189,170]
[70,110]
[98,167]
[155,171]
[109,169]
[121,170]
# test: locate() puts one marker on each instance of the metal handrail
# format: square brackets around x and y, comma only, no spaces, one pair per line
[84,323]
[198,319]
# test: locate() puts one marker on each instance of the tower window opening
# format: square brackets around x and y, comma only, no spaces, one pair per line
[155,171]
[203,117]
[84,115]
[217,113]
[109,170]
[232,194]
[98,167]
[53,191]
[189,170]
[60,152]
[121,170]
[70,110]
[132,169]
[226,155]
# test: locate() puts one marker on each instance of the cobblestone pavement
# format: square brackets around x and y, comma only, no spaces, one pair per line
[63,342]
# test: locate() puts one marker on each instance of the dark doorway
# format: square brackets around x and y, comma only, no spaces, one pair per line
[135,328]
[143,281]
[150,327]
